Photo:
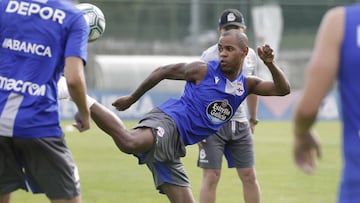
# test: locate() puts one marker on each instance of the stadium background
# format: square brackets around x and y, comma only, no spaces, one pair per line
[159,29]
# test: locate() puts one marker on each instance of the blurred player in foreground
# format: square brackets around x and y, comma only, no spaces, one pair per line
[234,139]
[336,55]
[40,41]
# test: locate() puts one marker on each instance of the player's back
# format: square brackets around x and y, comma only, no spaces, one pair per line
[349,70]
[33,34]
[349,83]
[34,38]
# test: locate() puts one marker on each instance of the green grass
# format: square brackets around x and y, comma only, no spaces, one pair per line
[110,176]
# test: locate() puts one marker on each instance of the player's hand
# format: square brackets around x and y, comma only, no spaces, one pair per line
[252,128]
[266,53]
[307,150]
[82,123]
[123,103]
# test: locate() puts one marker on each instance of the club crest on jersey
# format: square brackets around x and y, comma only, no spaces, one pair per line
[219,111]
[240,88]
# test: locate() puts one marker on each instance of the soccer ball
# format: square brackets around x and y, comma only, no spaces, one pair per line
[96,19]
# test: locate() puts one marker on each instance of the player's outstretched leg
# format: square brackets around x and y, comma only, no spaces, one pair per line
[129,141]
[134,141]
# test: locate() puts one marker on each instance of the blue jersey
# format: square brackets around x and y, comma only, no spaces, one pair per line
[349,83]
[35,38]
[205,107]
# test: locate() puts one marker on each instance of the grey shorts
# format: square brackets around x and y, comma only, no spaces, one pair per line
[163,159]
[235,141]
[42,165]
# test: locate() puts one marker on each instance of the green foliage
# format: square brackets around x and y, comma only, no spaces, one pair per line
[110,176]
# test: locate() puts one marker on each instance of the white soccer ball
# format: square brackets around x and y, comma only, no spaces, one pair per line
[96,19]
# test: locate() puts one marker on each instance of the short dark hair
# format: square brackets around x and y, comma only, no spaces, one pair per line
[241,37]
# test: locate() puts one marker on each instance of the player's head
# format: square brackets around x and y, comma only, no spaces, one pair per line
[235,38]
[231,19]
[233,48]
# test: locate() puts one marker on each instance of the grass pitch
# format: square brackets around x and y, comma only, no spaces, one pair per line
[110,176]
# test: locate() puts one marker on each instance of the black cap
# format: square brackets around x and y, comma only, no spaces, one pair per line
[231,17]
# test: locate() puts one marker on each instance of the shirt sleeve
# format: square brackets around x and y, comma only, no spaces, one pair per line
[77,42]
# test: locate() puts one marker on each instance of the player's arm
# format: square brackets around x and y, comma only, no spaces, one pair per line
[180,71]
[195,72]
[319,78]
[75,79]
[322,70]
[252,104]
[279,86]
[252,100]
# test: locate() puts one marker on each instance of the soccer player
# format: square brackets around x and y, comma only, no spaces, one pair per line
[336,56]
[40,40]
[213,92]
[234,139]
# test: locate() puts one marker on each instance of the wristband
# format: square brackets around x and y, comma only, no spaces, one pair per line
[254,121]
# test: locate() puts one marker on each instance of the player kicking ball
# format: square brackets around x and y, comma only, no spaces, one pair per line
[213,91]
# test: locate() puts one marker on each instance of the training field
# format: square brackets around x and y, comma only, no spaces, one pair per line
[110,176]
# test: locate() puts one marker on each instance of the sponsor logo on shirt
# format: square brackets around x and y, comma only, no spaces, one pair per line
[10,84]
[29,9]
[219,111]
[26,47]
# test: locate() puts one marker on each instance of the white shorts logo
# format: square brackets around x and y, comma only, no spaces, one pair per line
[160,131]
[202,154]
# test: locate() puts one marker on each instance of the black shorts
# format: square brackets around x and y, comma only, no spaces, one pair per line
[43,165]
